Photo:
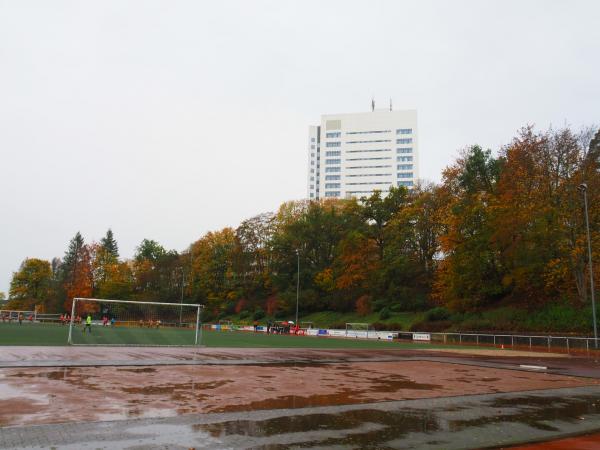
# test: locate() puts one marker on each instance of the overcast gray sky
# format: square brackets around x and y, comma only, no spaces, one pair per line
[167,119]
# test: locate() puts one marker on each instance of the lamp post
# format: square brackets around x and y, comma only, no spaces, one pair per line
[297,285]
[583,189]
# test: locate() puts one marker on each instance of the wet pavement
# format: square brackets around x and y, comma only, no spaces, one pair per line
[54,395]
[70,397]
[464,422]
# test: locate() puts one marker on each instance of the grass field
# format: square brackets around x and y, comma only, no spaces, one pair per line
[50,334]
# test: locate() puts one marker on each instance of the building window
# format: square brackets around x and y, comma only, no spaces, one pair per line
[405,175]
[332,185]
[369,182]
[404,141]
[312,178]
[369,167]
[404,158]
[332,177]
[368,159]
[333,153]
[312,163]
[312,155]
[335,134]
[371,175]
[312,147]
[312,195]
[332,169]
[404,131]
[332,194]
[333,161]
[368,132]
[333,144]
[365,192]
[404,150]
[312,139]
[368,142]
[405,183]
[372,150]
[312,170]
[405,166]
[312,186]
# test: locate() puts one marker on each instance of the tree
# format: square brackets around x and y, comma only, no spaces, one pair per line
[30,286]
[154,270]
[109,245]
[378,211]
[76,271]
[470,273]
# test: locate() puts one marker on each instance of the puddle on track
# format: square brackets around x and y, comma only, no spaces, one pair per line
[381,429]
[41,395]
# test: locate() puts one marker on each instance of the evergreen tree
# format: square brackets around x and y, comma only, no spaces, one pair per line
[109,244]
[69,264]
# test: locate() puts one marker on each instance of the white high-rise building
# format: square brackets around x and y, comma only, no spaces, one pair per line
[351,155]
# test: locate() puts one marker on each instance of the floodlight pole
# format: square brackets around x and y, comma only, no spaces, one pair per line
[297,285]
[583,188]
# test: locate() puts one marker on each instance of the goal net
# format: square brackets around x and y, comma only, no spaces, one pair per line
[122,322]
[358,330]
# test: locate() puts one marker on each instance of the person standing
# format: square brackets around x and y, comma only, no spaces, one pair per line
[88,324]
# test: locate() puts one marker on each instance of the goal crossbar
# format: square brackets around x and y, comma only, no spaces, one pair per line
[198,307]
[103,300]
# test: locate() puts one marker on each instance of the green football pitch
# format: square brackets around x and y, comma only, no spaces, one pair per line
[51,334]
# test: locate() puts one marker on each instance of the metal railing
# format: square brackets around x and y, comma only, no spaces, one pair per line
[570,344]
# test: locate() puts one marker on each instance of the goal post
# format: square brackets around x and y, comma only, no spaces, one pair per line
[109,322]
[358,330]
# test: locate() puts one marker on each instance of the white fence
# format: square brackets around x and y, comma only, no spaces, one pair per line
[569,344]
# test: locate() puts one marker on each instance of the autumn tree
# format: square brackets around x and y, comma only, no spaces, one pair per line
[470,274]
[76,271]
[30,285]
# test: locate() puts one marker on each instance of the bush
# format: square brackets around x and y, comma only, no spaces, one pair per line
[397,307]
[384,314]
[380,326]
[435,314]
[437,326]
[230,307]
[244,314]
[364,305]
[259,314]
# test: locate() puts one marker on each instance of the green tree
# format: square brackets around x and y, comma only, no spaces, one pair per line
[109,245]
[30,286]
[470,274]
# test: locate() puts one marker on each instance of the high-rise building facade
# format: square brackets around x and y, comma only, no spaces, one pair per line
[351,155]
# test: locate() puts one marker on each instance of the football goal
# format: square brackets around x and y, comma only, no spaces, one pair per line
[131,323]
[358,330]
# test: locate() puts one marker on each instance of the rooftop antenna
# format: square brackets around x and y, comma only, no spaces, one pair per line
[372,104]
[390,103]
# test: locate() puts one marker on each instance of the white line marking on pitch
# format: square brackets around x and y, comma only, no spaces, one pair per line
[526,366]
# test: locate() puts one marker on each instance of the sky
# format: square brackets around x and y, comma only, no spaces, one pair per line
[167,119]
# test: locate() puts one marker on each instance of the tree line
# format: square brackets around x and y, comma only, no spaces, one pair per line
[498,228]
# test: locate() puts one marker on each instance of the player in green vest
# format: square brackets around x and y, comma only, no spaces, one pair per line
[88,324]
